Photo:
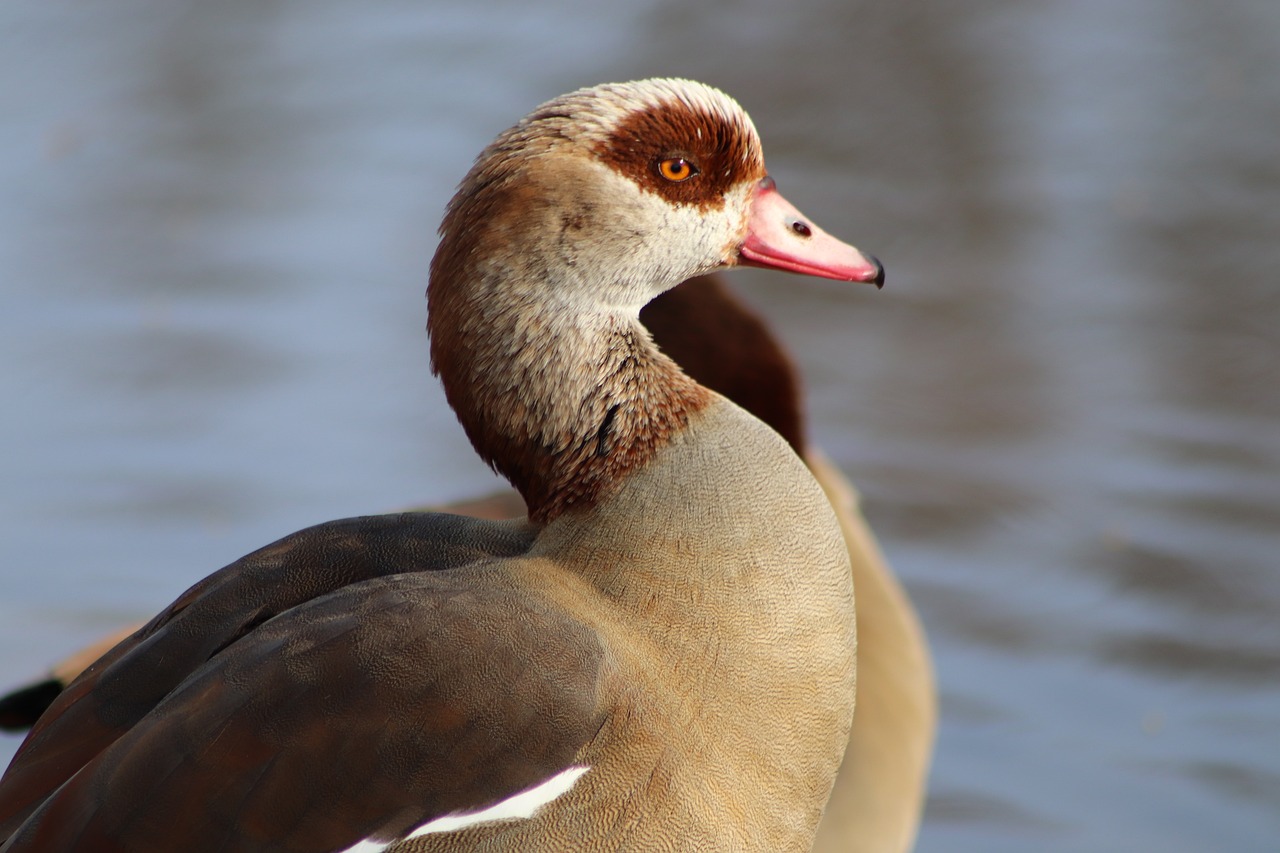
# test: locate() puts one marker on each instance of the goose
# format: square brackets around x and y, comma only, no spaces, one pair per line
[661,655]
[878,797]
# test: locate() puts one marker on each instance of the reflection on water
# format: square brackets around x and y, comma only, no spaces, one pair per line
[1062,411]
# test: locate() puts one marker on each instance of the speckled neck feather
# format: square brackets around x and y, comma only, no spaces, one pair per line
[570,411]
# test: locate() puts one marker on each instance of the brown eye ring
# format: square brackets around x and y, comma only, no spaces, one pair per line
[677,169]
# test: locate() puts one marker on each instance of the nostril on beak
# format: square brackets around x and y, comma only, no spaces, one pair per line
[801,228]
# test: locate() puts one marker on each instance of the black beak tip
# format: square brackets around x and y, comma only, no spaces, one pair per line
[878,281]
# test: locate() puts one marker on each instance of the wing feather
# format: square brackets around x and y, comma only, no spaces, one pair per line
[374,596]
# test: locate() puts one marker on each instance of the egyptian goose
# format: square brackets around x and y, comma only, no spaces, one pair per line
[661,655]
[878,797]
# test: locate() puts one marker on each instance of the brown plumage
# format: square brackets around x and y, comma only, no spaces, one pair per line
[879,794]
[677,634]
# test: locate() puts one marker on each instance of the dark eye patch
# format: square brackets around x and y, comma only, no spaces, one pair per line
[724,152]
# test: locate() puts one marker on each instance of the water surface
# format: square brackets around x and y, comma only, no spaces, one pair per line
[1063,411]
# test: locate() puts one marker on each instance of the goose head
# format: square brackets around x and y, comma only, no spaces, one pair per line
[615,193]
[565,226]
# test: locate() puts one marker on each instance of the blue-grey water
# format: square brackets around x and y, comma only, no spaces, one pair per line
[1064,409]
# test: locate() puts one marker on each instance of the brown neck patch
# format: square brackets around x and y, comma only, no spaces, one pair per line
[643,400]
[565,421]
[724,150]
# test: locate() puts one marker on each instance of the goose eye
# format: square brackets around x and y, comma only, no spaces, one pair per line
[677,169]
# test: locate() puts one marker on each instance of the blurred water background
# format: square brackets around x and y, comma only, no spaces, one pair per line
[1063,410]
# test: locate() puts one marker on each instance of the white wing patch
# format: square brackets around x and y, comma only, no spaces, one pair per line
[523,805]
[368,846]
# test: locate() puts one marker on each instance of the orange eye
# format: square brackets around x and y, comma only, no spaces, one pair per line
[677,169]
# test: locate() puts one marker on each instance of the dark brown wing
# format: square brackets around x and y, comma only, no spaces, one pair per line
[363,713]
[126,684]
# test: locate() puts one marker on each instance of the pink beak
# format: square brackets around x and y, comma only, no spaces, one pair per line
[779,237]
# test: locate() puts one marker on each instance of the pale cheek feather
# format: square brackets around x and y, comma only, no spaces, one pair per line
[712,238]
[703,240]
[523,805]
[631,253]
